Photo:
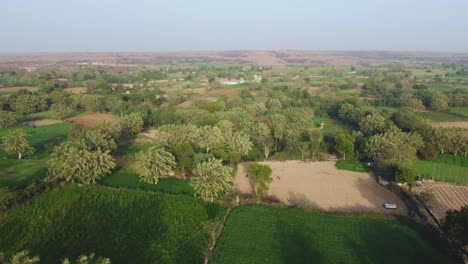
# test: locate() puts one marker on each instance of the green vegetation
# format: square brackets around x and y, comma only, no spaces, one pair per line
[127,226]
[261,234]
[352,166]
[442,117]
[332,126]
[447,168]
[14,172]
[123,178]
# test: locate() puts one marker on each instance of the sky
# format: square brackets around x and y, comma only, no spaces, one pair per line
[29,26]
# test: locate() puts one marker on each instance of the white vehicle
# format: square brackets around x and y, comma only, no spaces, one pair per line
[390,206]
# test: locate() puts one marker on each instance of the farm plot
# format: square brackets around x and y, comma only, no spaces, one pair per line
[76,90]
[18,88]
[461,124]
[93,119]
[128,226]
[266,234]
[322,185]
[444,197]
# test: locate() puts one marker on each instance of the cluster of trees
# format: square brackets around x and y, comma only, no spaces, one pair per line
[455,225]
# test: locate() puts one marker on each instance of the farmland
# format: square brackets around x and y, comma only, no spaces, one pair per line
[447,168]
[261,234]
[126,226]
[443,197]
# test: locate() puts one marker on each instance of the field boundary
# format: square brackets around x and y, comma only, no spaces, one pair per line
[218,234]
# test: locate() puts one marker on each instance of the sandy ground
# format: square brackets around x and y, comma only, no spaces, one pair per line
[322,185]
[444,197]
[43,122]
[93,119]
[17,88]
[462,124]
[76,90]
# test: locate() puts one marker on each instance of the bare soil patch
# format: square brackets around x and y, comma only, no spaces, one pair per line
[461,124]
[43,122]
[322,185]
[93,119]
[444,197]
[18,88]
[214,92]
[76,90]
[149,133]
[188,103]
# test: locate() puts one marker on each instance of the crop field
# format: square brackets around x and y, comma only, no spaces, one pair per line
[127,226]
[446,168]
[332,126]
[123,178]
[262,234]
[444,197]
[442,117]
[322,185]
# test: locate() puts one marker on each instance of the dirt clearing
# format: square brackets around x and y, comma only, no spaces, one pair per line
[18,88]
[76,90]
[461,124]
[322,185]
[93,119]
[43,122]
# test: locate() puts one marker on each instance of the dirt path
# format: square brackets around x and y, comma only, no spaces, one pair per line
[322,185]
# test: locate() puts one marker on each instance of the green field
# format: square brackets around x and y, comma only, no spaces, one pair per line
[442,117]
[352,166]
[332,126]
[14,172]
[127,226]
[262,234]
[123,178]
[447,168]
[460,111]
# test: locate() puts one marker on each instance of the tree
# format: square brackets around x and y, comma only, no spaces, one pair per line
[210,138]
[173,135]
[278,124]
[260,178]
[344,145]
[184,154]
[28,103]
[262,136]
[110,129]
[372,124]
[153,164]
[7,119]
[91,139]
[410,101]
[406,174]
[62,110]
[131,124]
[239,144]
[77,164]
[21,257]
[455,224]
[16,142]
[211,179]
[88,259]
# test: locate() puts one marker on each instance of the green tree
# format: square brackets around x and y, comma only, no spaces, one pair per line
[153,164]
[406,173]
[110,129]
[211,179]
[238,144]
[7,119]
[61,110]
[210,138]
[77,164]
[372,124]
[91,139]
[21,257]
[131,124]
[262,136]
[16,142]
[184,154]
[410,101]
[455,224]
[344,145]
[260,177]
[88,259]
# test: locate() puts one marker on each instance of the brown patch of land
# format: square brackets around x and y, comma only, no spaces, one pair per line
[76,90]
[461,124]
[18,88]
[324,186]
[188,103]
[444,197]
[93,119]
[43,122]
[214,92]
[149,133]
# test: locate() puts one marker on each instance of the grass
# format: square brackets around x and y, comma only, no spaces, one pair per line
[127,226]
[352,166]
[123,178]
[442,117]
[262,234]
[459,111]
[332,126]
[447,168]
[14,172]
[241,86]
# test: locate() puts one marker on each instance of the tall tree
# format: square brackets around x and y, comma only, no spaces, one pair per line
[77,164]
[344,145]
[210,138]
[131,124]
[7,119]
[16,142]
[260,177]
[211,179]
[455,224]
[153,164]
[262,135]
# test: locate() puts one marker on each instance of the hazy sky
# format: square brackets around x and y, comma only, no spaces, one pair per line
[163,25]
